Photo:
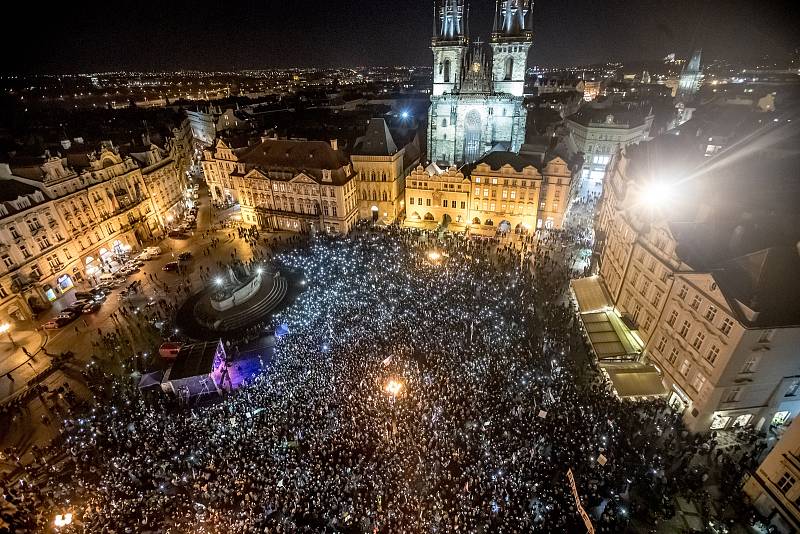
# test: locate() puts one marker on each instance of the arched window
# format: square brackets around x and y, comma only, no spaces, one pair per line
[472,137]
[444,123]
[509,68]
[374,196]
[384,196]
[383,176]
[447,70]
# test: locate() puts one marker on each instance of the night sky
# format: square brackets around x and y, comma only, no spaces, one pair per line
[200,34]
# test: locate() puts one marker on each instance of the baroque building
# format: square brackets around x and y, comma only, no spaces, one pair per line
[288,185]
[477,99]
[67,218]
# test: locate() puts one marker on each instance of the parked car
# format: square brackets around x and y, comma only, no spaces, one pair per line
[91,307]
[184,256]
[177,234]
[78,305]
[170,266]
[53,324]
[68,315]
[154,251]
[85,295]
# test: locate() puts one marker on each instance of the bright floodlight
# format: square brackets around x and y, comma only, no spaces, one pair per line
[393,387]
[4,328]
[63,520]
[433,255]
[218,281]
[259,270]
[655,194]
[404,114]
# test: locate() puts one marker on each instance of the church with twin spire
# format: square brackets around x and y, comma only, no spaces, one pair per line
[477,98]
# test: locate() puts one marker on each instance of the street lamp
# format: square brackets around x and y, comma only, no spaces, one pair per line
[5,328]
[433,255]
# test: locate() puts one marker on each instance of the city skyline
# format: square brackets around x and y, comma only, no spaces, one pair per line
[255,35]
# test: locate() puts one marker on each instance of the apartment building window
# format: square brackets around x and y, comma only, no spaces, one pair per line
[672,318]
[53,261]
[734,395]
[662,342]
[513,195]
[25,253]
[656,299]
[727,324]
[14,232]
[664,275]
[699,382]
[494,181]
[67,254]
[698,340]
[333,210]
[3,293]
[504,194]
[652,266]
[463,205]
[485,191]
[766,336]
[673,356]
[411,200]
[35,272]
[7,261]
[684,329]
[751,365]
[645,286]
[635,277]
[711,312]
[477,191]
[696,302]
[713,352]
[492,206]
[685,366]
[427,202]
[444,203]
[683,292]
[647,322]
[786,482]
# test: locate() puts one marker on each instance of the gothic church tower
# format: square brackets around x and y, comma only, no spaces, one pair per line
[449,44]
[512,37]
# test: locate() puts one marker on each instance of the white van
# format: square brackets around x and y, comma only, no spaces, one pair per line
[153,251]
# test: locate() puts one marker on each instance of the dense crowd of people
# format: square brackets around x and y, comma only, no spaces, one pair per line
[426,384]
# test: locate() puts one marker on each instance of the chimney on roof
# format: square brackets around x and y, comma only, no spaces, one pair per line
[335,144]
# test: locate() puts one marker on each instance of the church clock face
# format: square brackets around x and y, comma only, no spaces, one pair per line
[476,67]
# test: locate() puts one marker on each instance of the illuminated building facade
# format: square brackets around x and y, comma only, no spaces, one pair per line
[477,99]
[501,191]
[382,168]
[435,195]
[774,487]
[295,186]
[600,132]
[70,217]
[708,292]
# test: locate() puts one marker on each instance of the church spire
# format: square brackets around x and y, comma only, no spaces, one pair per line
[451,16]
[515,18]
